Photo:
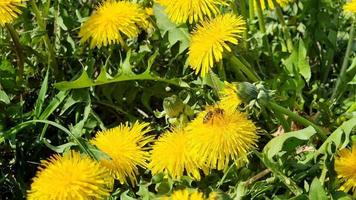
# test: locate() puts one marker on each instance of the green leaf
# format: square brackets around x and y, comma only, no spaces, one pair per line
[317,191]
[126,74]
[339,138]
[4,98]
[299,61]
[175,34]
[41,96]
[53,105]
[287,141]
[286,180]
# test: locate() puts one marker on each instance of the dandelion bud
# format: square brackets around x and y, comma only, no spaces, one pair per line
[173,106]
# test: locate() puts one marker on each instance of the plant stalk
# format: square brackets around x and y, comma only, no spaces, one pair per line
[42,24]
[18,49]
[245,15]
[284,26]
[340,83]
[247,71]
[301,120]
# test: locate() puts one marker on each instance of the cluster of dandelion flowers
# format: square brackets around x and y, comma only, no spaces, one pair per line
[170,154]
[70,176]
[182,11]
[270,4]
[9,10]
[211,38]
[217,136]
[127,147]
[350,6]
[111,21]
[345,167]
[229,99]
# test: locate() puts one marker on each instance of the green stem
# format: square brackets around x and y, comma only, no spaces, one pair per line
[262,25]
[251,9]
[247,71]
[284,25]
[221,71]
[261,20]
[340,83]
[42,25]
[18,49]
[277,108]
[245,15]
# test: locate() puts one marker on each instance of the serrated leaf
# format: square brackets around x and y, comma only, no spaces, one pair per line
[126,74]
[340,137]
[287,142]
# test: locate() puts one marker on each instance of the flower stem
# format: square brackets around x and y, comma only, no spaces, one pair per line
[322,134]
[261,20]
[251,9]
[262,25]
[245,15]
[18,49]
[247,71]
[42,25]
[284,25]
[340,83]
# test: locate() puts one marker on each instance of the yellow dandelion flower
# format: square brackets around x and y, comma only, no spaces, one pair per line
[70,177]
[189,195]
[181,11]
[211,39]
[345,167]
[270,4]
[229,99]
[218,136]
[170,154]
[9,10]
[111,21]
[127,148]
[350,6]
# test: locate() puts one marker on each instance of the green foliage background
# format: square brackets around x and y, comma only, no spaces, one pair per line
[55,104]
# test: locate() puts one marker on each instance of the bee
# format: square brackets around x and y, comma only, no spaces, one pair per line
[210,115]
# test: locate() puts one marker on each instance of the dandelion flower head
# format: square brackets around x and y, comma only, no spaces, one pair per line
[350,6]
[218,136]
[210,40]
[181,11]
[71,176]
[9,10]
[229,99]
[170,154]
[127,147]
[189,195]
[345,167]
[111,21]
